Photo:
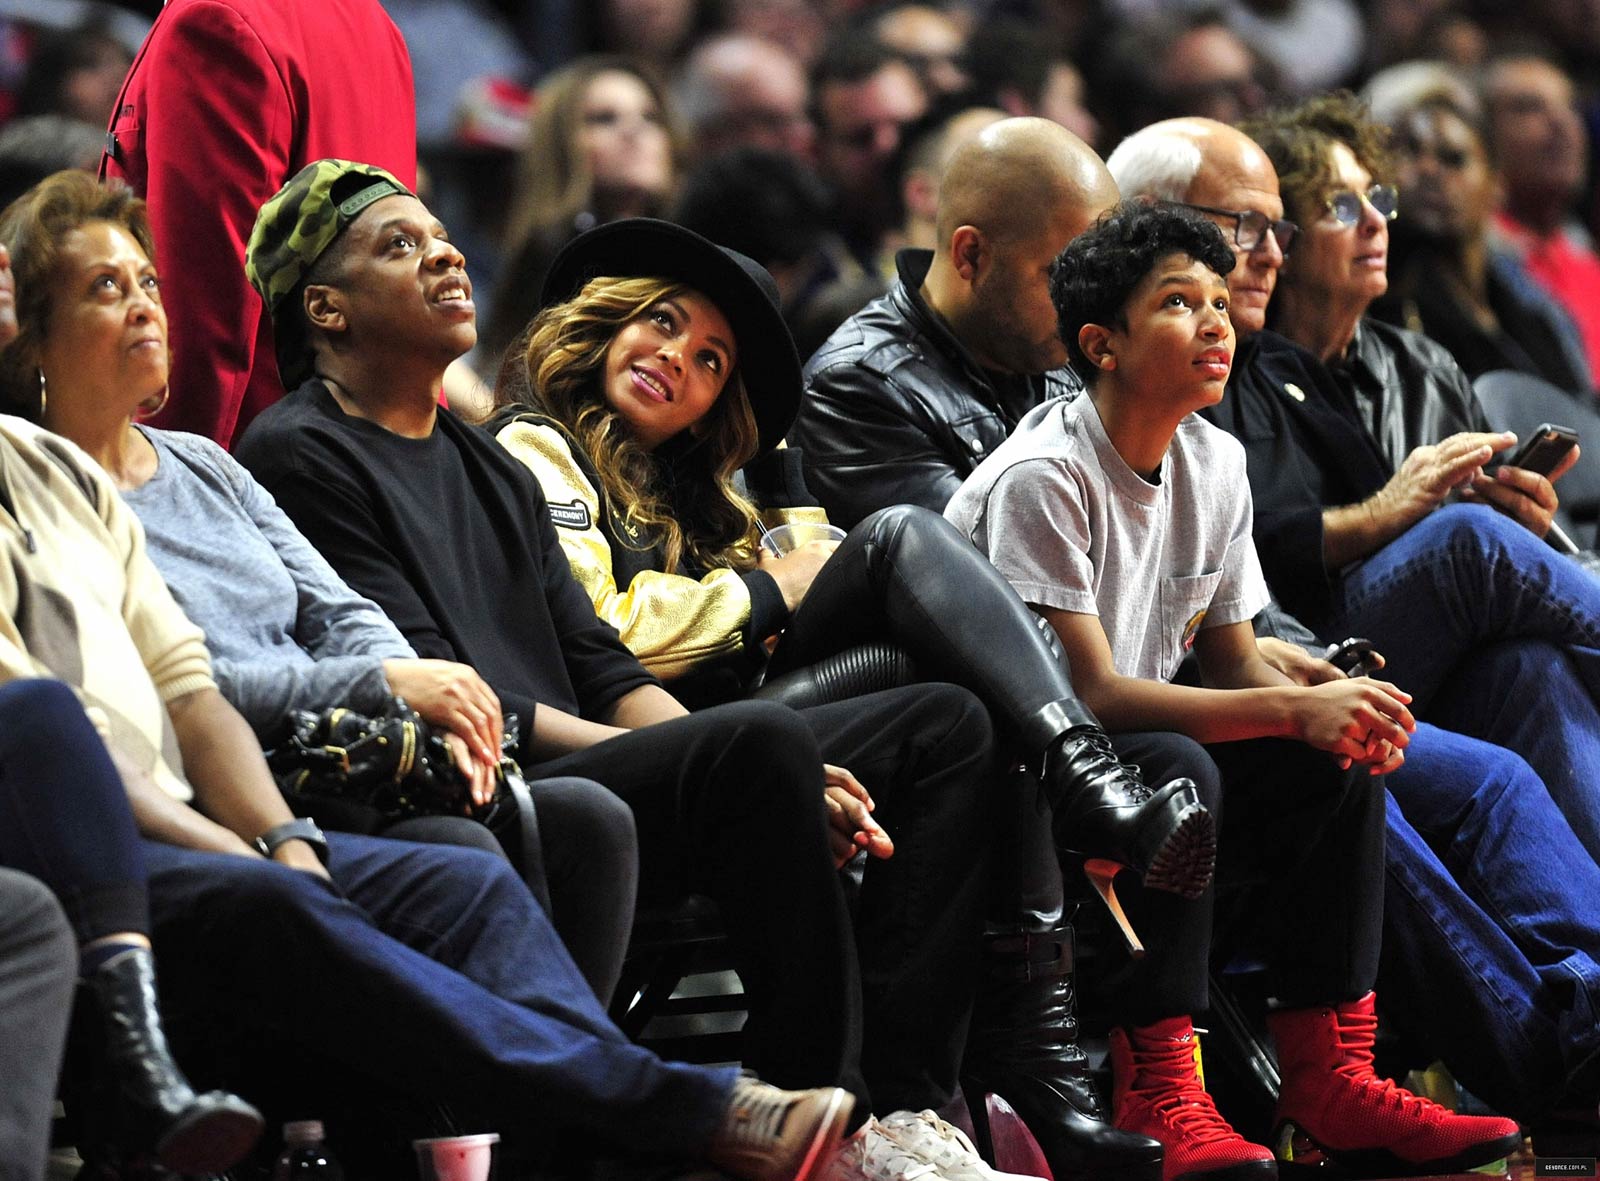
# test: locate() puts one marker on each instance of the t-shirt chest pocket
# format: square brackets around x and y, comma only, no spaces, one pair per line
[1184,602]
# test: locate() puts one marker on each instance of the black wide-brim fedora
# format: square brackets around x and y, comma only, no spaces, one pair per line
[645,247]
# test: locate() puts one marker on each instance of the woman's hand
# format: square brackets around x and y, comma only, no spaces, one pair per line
[452,696]
[797,570]
[1358,720]
[850,824]
[480,775]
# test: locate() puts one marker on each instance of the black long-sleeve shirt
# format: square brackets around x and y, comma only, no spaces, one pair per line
[452,538]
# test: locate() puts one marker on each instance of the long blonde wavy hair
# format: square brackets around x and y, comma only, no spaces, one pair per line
[556,368]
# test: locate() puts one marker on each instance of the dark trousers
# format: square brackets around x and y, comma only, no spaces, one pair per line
[64,814]
[728,803]
[429,967]
[1301,845]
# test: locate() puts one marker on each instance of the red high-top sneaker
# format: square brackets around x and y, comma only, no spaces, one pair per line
[1333,1107]
[1156,1091]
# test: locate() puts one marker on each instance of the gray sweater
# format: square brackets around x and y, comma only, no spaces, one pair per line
[284,630]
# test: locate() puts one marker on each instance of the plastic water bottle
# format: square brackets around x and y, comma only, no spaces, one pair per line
[304,1155]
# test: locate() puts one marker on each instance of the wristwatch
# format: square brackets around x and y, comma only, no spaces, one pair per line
[301,829]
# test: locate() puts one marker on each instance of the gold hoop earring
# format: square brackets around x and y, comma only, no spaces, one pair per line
[44,397]
[148,412]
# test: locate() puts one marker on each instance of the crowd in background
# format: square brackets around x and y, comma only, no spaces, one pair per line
[809,134]
[822,139]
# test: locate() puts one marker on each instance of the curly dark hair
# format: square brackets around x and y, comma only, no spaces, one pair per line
[1095,276]
[1298,140]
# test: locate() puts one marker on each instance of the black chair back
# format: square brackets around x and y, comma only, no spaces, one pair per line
[1520,402]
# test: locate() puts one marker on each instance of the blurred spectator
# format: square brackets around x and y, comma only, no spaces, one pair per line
[864,95]
[1537,141]
[736,90]
[1185,64]
[929,146]
[657,32]
[75,72]
[455,46]
[1312,44]
[34,148]
[1014,69]
[775,209]
[602,145]
[1458,39]
[929,40]
[1397,29]
[1445,278]
[798,24]
[1573,26]
[225,103]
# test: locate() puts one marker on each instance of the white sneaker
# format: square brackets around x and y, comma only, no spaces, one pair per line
[873,1155]
[926,1137]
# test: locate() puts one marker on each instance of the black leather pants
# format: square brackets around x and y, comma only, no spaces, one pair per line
[905,575]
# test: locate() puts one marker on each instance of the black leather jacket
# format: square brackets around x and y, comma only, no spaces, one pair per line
[897,411]
[1319,436]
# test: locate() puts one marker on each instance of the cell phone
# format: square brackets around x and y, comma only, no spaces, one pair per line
[1354,657]
[1543,449]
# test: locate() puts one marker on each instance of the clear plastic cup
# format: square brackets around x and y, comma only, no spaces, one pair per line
[786,538]
[457,1158]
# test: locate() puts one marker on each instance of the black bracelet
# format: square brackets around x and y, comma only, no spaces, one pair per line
[301,829]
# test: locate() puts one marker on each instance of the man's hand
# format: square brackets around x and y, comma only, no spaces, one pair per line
[1431,473]
[452,696]
[1524,496]
[850,824]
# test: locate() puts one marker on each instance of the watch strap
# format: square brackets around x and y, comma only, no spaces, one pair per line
[302,828]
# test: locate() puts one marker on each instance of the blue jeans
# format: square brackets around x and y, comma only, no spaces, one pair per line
[1496,636]
[1491,935]
[431,967]
[64,815]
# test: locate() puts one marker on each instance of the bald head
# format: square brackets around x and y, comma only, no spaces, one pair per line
[1203,162]
[1017,176]
[1013,197]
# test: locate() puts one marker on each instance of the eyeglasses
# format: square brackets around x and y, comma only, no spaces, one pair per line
[1250,226]
[1345,205]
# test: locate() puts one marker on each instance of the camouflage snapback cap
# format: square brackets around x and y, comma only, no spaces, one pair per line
[294,229]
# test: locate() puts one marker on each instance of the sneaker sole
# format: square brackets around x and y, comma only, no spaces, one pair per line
[1186,860]
[1380,1162]
[1256,1170]
[830,1131]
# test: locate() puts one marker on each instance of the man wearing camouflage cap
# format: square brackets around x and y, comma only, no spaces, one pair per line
[452,537]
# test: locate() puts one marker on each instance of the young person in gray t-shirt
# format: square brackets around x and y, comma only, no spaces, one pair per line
[1125,521]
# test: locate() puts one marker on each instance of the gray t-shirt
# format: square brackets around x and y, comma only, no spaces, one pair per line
[1072,526]
[284,630]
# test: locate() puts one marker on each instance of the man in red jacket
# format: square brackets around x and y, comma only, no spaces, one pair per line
[226,101]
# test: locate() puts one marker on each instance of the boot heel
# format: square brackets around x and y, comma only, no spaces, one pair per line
[1184,861]
[1100,874]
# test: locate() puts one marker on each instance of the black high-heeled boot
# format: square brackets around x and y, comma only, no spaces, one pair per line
[1104,812]
[1023,1046]
[156,1111]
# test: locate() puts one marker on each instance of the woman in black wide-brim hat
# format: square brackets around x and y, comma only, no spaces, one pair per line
[650,397]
